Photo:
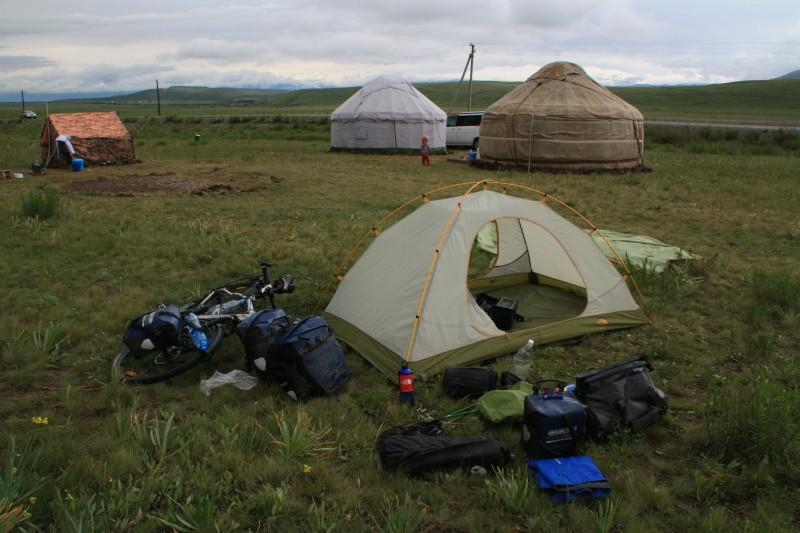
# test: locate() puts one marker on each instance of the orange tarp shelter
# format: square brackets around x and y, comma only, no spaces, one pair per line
[97,138]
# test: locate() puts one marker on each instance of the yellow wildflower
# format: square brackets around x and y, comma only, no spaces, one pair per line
[306,469]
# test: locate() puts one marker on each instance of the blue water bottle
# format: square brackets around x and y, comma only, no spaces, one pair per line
[199,338]
[406,378]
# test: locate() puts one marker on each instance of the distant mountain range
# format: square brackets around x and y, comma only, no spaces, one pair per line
[44,97]
[188,95]
[791,76]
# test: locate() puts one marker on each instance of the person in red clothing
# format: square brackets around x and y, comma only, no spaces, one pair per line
[425,150]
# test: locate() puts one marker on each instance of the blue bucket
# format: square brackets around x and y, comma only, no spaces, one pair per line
[77,165]
[471,156]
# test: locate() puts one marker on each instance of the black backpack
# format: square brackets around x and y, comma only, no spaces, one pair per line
[153,331]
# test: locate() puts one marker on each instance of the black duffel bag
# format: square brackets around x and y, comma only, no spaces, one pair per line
[472,381]
[417,453]
[620,395]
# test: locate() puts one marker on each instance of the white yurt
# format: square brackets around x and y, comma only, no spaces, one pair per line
[387,115]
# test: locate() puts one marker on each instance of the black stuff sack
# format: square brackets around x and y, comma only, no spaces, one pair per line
[553,423]
[153,331]
[620,395]
[472,381]
[418,454]
[502,311]
[310,347]
[258,333]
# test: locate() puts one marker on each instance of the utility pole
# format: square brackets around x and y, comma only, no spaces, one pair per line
[158,98]
[467,66]
[471,62]
[23,99]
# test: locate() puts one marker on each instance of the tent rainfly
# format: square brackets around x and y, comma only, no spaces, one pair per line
[408,296]
[387,115]
[97,138]
[560,118]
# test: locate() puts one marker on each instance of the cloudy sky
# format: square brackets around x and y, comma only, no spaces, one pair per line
[49,46]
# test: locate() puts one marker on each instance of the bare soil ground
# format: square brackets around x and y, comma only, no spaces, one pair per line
[134,184]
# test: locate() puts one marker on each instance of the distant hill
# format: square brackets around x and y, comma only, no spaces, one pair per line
[44,97]
[791,76]
[195,96]
[747,102]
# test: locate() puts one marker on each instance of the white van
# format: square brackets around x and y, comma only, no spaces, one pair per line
[463,129]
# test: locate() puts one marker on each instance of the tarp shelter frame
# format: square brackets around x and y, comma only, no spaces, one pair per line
[470,188]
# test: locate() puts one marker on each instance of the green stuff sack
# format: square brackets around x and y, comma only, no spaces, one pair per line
[506,405]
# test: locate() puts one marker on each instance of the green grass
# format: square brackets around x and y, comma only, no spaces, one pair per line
[113,457]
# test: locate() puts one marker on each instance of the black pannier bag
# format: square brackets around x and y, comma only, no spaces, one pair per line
[472,381]
[553,422]
[620,395]
[258,333]
[310,347]
[156,330]
[419,449]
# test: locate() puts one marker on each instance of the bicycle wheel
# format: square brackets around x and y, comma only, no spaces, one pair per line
[166,363]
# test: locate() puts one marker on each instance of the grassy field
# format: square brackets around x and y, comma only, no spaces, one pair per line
[83,452]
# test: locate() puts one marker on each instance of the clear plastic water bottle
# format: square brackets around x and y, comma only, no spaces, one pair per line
[522,360]
[199,337]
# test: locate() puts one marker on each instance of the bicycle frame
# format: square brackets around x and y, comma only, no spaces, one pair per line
[217,322]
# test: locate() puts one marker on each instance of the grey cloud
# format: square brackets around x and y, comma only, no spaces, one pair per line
[9,63]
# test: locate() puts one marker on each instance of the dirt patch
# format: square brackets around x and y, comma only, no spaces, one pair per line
[168,183]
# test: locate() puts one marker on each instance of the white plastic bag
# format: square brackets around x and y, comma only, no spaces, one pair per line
[238,378]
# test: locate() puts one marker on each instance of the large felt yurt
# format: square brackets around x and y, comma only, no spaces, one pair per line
[388,115]
[560,118]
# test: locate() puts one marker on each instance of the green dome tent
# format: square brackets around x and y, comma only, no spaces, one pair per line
[408,297]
